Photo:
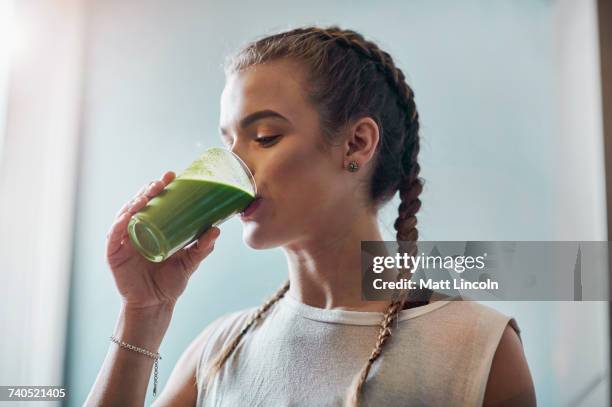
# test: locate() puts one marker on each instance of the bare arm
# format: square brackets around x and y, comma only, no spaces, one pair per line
[510,382]
[181,389]
[124,375]
[149,292]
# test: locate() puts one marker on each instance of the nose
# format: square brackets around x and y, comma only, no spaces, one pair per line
[244,157]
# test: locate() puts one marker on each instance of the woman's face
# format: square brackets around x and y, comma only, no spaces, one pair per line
[299,177]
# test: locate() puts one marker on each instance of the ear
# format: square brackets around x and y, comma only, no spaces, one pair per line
[362,140]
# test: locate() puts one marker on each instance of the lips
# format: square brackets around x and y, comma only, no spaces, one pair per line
[251,208]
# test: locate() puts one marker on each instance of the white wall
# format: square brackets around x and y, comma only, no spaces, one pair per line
[501,157]
[37,190]
[8,42]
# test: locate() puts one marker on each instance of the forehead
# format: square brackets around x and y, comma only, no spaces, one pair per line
[276,85]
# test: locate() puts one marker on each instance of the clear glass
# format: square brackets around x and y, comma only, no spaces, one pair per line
[211,190]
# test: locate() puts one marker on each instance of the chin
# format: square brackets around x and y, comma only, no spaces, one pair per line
[255,238]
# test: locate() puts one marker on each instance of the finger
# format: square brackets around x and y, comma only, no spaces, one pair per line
[129,203]
[193,254]
[137,204]
[168,177]
[157,186]
[143,189]
[124,208]
[154,188]
[117,233]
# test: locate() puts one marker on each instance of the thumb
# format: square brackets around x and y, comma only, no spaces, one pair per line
[192,255]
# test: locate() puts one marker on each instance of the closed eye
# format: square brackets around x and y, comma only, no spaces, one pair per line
[267,140]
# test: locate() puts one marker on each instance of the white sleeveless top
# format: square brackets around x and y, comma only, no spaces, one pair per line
[438,354]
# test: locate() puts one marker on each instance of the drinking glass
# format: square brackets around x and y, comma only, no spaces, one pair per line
[211,190]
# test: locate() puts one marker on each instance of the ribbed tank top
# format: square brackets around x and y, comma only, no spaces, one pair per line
[439,354]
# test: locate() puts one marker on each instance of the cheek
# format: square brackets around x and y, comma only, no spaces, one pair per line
[302,181]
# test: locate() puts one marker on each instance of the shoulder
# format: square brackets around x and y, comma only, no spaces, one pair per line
[480,315]
[221,330]
[228,322]
[183,383]
[505,380]
[509,382]
[473,317]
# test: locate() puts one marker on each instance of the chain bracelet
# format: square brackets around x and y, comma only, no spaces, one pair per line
[145,352]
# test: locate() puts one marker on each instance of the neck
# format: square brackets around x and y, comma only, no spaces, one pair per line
[325,270]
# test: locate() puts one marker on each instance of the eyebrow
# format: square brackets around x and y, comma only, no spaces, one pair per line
[253,117]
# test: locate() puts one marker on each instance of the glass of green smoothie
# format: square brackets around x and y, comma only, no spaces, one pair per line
[211,190]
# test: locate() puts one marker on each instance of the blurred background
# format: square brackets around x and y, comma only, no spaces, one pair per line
[99,98]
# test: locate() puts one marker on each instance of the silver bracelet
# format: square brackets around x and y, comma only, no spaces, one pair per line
[145,352]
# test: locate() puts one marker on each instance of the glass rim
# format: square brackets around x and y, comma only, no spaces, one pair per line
[244,167]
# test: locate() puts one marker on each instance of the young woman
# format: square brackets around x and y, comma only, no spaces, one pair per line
[329,127]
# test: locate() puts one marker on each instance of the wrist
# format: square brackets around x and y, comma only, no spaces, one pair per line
[149,312]
[144,327]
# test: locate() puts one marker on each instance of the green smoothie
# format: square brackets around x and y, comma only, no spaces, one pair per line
[181,213]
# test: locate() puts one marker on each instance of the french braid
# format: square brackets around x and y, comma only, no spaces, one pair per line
[226,352]
[410,187]
[351,77]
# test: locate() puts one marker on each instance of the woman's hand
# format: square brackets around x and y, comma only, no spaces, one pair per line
[141,282]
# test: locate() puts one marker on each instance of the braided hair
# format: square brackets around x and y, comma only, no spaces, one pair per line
[349,77]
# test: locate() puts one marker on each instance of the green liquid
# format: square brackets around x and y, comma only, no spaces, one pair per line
[181,213]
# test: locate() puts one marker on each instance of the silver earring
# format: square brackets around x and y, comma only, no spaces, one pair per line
[353,166]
